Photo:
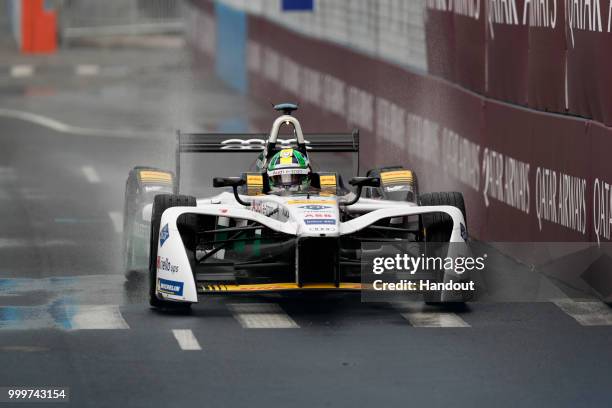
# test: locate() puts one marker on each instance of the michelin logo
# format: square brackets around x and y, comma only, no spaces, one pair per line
[163,235]
[170,287]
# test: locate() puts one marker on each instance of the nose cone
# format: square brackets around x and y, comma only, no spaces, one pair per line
[316,216]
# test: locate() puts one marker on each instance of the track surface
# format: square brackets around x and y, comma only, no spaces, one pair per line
[69,317]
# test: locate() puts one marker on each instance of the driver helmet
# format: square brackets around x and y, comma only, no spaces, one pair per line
[289,169]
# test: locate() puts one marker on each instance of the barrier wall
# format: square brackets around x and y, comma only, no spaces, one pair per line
[475,121]
[34,25]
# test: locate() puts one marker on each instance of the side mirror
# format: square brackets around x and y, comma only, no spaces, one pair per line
[365,182]
[228,182]
[362,182]
[234,183]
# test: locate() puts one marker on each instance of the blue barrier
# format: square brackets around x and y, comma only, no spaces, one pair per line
[230,62]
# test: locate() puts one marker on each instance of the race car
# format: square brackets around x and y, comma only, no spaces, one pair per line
[284,226]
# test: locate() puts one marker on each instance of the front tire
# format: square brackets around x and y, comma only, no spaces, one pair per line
[438,227]
[161,203]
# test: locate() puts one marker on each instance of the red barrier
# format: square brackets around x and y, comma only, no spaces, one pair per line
[439,30]
[553,56]
[507,45]
[546,60]
[469,35]
[38,28]
[589,63]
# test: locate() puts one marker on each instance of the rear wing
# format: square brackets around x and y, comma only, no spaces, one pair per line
[257,142]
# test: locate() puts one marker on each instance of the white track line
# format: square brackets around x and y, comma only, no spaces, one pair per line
[186,339]
[117,219]
[90,174]
[421,315]
[87,70]
[21,243]
[262,316]
[434,319]
[22,71]
[591,313]
[76,130]
[98,318]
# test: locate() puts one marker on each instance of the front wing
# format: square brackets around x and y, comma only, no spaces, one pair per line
[176,280]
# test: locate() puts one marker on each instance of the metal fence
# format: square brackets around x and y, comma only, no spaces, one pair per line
[80,18]
[389,29]
[6,9]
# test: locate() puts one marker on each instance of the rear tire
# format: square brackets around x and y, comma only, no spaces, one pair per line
[161,203]
[137,195]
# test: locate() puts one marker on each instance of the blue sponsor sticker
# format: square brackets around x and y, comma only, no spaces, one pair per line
[163,235]
[320,222]
[315,207]
[170,287]
[298,5]
[464,233]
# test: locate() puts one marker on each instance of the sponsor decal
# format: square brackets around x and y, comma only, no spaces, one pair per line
[298,5]
[164,264]
[396,177]
[149,189]
[281,172]
[320,222]
[506,179]
[321,229]
[399,187]
[328,180]
[264,207]
[170,287]
[602,209]
[147,176]
[464,233]
[269,209]
[315,207]
[318,215]
[256,144]
[561,199]
[286,153]
[307,202]
[258,287]
[254,180]
[163,235]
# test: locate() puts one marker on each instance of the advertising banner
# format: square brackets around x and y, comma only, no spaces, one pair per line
[507,52]
[440,37]
[589,59]
[546,56]
[469,33]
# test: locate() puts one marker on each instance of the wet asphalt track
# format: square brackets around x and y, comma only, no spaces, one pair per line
[69,317]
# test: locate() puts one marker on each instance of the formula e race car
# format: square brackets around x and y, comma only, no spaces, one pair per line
[285,226]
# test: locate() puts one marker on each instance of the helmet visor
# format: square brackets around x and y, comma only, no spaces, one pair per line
[289,180]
